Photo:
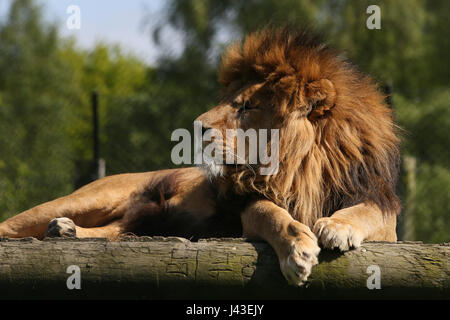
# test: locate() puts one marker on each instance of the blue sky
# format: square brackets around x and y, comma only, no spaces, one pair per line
[112,21]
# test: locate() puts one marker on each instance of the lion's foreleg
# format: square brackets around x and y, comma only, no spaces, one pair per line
[349,227]
[294,243]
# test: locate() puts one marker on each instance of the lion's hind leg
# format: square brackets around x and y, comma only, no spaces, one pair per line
[65,227]
[85,210]
[94,205]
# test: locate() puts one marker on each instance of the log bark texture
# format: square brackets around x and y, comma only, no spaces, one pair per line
[174,268]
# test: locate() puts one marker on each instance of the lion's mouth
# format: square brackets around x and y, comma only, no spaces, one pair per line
[214,169]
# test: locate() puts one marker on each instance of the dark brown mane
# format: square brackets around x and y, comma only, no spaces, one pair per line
[334,154]
[268,53]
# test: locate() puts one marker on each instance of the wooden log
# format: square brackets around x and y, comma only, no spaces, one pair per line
[175,268]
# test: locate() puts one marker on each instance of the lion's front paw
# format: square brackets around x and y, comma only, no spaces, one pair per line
[61,227]
[333,233]
[302,256]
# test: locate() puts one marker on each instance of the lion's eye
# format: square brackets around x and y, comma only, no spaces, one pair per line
[244,107]
[241,109]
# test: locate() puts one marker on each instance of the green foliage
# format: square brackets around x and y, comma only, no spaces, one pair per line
[426,126]
[432,203]
[35,158]
[394,54]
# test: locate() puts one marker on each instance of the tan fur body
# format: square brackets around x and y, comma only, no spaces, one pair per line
[337,171]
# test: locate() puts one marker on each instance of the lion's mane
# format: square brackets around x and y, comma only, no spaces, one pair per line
[334,154]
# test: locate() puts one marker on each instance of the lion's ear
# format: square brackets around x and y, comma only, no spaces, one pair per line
[321,97]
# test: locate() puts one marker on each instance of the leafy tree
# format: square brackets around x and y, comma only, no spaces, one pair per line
[34,83]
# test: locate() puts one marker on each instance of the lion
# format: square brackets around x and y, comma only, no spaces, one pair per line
[335,184]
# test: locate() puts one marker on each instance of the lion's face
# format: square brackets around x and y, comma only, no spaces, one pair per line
[260,114]
[274,88]
[242,128]
[242,107]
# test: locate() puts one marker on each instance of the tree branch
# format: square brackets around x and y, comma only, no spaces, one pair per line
[214,269]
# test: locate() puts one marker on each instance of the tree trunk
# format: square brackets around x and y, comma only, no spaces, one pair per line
[407,217]
[176,268]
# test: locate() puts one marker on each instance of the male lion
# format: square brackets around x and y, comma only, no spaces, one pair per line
[338,164]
